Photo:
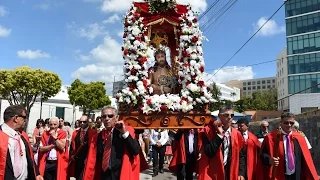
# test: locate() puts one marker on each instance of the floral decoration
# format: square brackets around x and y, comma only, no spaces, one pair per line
[137,93]
[157,6]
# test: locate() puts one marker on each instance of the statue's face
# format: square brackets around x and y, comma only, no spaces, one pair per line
[161,59]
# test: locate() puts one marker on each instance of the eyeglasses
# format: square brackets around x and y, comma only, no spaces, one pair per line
[233,123]
[82,122]
[226,115]
[24,117]
[265,126]
[288,122]
[107,115]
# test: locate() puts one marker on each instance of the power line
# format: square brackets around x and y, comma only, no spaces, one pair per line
[225,8]
[206,11]
[248,40]
[299,92]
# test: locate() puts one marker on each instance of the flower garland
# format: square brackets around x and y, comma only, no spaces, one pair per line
[194,93]
[156,6]
[134,49]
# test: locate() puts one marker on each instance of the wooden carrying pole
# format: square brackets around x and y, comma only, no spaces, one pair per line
[276,153]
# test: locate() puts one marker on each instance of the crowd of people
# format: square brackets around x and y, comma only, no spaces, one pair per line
[109,149]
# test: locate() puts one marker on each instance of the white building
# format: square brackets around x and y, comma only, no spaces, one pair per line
[282,81]
[228,93]
[57,106]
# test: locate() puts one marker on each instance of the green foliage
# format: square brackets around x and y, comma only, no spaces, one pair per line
[266,100]
[24,85]
[88,96]
[216,93]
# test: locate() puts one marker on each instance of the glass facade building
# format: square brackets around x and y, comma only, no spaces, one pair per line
[303,45]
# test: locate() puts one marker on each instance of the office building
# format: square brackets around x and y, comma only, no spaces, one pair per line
[303,49]
[228,93]
[247,87]
[282,81]
[117,86]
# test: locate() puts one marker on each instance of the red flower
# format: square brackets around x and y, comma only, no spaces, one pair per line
[187,65]
[181,78]
[138,39]
[187,83]
[163,108]
[133,19]
[181,59]
[194,39]
[195,20]
[193,77]
[189,24]
[184,53]
[201,69]
[201,83]
[142,60]
[133,71]
[124,35]
[137,15]
[149,102]
[134,52]
[208,89]
[202,93]
[126,52]
[126,24]
[145,83]
[131,87]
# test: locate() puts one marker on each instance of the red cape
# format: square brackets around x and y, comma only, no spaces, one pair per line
[213,168]
[252,147]
[308,171]
[4,140]
[62,156]
[179,154]
[91,133]
[130,169]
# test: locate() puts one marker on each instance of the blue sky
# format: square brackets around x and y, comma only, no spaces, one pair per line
[80,39]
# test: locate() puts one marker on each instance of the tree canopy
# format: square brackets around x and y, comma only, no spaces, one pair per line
[89,96]
[24,85]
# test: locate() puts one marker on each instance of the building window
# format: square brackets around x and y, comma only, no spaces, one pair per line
[304,43]
[302,82]
[301,6]
[249,93]
[253,88]
[304,63]
[258,82]
[244,88]
[268,86]
[273,81]
[249,88]
[273,86]
[249,83]
[258,87]
[263,82]
[303,24]
[253,83]
[268,81]
[263,87]
[244,93]
[244,83]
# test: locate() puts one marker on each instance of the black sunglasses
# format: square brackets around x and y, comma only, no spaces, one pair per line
[107,115]
[288,122]
[82,122]
[227,115]
[24,117]
[265,126]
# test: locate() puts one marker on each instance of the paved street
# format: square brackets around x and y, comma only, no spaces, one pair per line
[165,176]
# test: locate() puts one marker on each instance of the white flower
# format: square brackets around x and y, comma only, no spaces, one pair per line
[135,31]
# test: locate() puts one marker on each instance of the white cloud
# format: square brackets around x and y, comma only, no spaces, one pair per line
[270,29]
[91,31]
[120,33]
[3,11]
[4,32]
[123,5]
[105,62]
[29,54]
[230,73]
[47,4]
[112,19]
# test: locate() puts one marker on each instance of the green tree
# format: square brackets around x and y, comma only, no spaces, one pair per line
[89,96]
[216,93]
[24,85]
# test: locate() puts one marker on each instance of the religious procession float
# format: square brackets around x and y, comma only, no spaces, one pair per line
[170,92]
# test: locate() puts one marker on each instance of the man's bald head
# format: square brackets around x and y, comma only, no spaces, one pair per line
[264,126]
[84,121]
[54,123]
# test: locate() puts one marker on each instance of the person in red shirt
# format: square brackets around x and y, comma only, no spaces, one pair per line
[79,147]
[222,154]
[251,148]
[53,152]
[293,160]
[114,152]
